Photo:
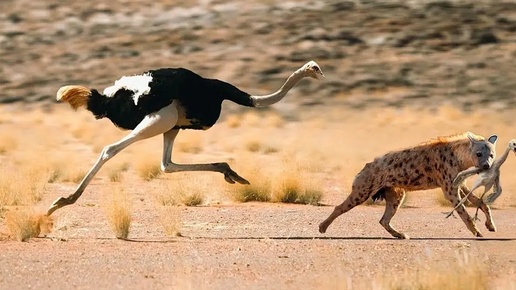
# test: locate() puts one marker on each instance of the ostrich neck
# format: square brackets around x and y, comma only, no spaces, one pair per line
[498,162]
[266,100]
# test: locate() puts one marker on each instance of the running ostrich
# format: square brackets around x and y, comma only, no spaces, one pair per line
[487,178]
[164,101]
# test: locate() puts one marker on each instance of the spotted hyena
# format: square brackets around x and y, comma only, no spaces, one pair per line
[429,165]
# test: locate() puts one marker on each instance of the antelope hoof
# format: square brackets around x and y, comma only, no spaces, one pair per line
[478,235]
[491,227]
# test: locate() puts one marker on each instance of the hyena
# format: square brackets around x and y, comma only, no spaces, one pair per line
[429,165]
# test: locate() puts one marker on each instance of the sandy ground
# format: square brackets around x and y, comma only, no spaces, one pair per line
[256,246]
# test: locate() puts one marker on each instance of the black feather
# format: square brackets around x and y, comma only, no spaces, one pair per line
[201,99]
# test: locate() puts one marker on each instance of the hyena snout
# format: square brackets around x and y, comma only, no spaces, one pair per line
[486,166]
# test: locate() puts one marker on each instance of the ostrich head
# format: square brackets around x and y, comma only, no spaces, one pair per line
[512,145]
[312,69]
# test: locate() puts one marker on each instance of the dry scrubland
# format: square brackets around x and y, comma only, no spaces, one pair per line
[313,161]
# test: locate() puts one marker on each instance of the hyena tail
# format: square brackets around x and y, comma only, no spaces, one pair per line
[79,96]
[380,194]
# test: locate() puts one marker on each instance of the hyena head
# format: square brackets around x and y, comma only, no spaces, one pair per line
[483,151]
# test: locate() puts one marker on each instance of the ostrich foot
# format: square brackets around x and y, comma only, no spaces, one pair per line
[59,203]
[231,177]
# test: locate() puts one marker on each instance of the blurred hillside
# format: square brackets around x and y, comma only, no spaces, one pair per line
[374,53]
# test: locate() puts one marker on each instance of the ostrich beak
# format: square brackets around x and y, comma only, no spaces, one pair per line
[319,75]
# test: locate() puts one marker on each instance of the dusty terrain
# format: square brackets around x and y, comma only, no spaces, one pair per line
[397,73]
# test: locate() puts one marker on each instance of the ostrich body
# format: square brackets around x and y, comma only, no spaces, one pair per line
[487,178]
[163,101]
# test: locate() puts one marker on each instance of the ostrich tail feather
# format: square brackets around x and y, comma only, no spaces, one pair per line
[76,96]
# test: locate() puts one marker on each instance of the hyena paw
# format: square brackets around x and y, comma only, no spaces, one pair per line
[322,227]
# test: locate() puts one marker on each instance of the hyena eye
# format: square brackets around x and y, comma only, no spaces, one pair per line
[491,155]
[479,154]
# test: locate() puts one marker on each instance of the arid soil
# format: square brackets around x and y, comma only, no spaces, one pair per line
[397,73]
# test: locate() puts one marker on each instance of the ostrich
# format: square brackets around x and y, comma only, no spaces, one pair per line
[164,101]
[487,178]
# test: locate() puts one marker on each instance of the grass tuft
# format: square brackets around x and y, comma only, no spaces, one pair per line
[8,143]
[148,170]
[464,273]
[182,191]
[193,199]
[23,224]
[233,121]
[21,186]
[115,173]
[294,188]
[170,217]
[119,214]
[248,193]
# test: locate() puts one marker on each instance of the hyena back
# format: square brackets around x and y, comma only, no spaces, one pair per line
[429,165]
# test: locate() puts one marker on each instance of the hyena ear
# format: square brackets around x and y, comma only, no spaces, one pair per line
[492,139]
[471,138]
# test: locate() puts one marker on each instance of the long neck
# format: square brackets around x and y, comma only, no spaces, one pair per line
[266,100]
[500,160]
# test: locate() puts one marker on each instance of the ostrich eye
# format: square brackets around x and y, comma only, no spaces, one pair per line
[479,154]
[316,68]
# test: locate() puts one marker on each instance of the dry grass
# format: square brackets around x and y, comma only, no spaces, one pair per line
[193,199]
[293,187]
[464,272]
[180,190]
[21,185]
[233,121]
[74,175]
[23,224]
[274,120]
[148,170]
[118,211]
[253,145]
[260,188]
[115,172]
[189,142]
[280,181]
[8,142]
[170,218]
[251,118]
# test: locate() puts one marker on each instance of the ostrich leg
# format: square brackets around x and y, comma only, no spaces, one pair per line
[168,166]
[152,125]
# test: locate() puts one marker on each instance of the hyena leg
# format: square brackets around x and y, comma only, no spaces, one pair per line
[356,197]
[484,207]
[393,199]
[453,197]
